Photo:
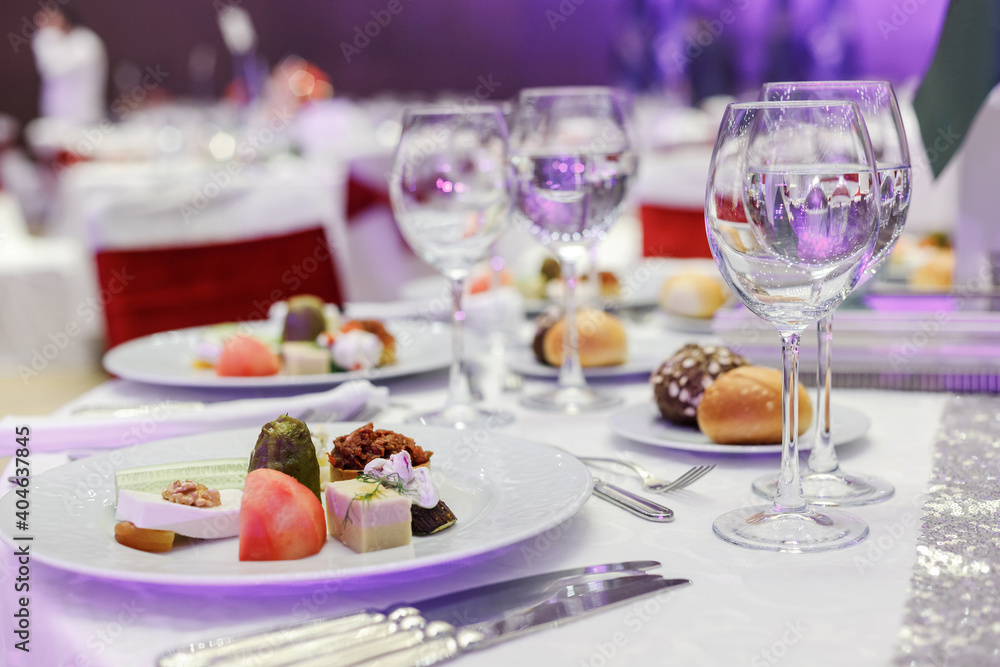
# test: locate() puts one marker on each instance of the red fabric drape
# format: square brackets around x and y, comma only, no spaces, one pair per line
[673,232]
[146,291]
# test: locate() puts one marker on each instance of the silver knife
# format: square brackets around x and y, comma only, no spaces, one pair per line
[460,608]
[405,637]
[418,644]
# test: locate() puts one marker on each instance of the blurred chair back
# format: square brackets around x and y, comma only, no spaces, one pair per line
[182,242]
[671,197]
[673,231]
[149,290]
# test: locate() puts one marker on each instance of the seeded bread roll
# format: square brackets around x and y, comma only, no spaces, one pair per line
[680,381]
[743,407]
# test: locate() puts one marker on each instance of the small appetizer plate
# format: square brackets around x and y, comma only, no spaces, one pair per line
[642,423]
[168,358]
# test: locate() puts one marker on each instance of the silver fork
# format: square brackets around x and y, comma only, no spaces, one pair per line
[651,482]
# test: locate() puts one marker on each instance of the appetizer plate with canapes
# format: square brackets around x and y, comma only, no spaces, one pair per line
[643,423]
[502,491]
[172,357]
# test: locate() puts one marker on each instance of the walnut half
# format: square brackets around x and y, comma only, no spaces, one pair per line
[191,493]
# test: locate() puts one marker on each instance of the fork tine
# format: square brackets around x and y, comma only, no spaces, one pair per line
[680,482]
[688,478]
[701,473]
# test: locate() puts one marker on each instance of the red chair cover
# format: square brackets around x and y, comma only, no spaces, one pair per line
[361,195]
[668,231]
[149,290]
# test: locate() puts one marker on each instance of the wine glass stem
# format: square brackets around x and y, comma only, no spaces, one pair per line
[570,371]
[823,457]
[459,392]
[789,496]
[593,276]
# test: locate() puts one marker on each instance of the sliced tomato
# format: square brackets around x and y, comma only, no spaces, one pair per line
[246,356]
[280,519]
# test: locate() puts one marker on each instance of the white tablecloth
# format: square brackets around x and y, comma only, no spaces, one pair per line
[744,608]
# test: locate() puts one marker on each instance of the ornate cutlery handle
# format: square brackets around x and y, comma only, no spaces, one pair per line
[647,509]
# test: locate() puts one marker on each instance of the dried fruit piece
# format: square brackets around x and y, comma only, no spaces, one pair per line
[143,539]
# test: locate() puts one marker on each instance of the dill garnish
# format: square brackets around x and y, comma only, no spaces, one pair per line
[392,481]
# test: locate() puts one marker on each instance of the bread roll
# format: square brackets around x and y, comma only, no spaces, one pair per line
[692,295]
[936,274]
[602,339]
[545,321]
[743,407]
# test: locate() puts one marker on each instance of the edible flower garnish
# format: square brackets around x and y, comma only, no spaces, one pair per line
[353,350]
[398,472]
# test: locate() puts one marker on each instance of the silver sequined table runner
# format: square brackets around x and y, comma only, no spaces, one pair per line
[952,616]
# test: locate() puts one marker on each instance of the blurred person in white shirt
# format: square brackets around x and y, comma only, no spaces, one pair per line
[73,65]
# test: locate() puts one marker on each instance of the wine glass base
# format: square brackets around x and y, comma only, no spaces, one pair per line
[804,531]
[463,417]
[571,400]
[832,489]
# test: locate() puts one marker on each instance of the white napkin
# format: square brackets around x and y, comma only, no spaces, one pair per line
[39,463]
[396,310]
[53,434]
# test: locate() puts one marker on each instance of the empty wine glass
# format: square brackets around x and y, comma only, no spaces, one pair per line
[573,162]
[792,213]
[450,195]
[824,483]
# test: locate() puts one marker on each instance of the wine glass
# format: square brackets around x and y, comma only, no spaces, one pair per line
[792,213]
[450,196]
[573,162]
[824,483]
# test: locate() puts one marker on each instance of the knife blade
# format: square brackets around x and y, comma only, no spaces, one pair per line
[422,645]
[460,608]
[487,602]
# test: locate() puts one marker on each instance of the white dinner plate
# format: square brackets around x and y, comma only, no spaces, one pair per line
[643,423]
[168,358]
[502,489]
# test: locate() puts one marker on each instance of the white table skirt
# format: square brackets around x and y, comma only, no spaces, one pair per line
[744,608]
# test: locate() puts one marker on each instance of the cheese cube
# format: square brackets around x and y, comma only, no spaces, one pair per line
[367,516]
[377,517]
[304,358]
